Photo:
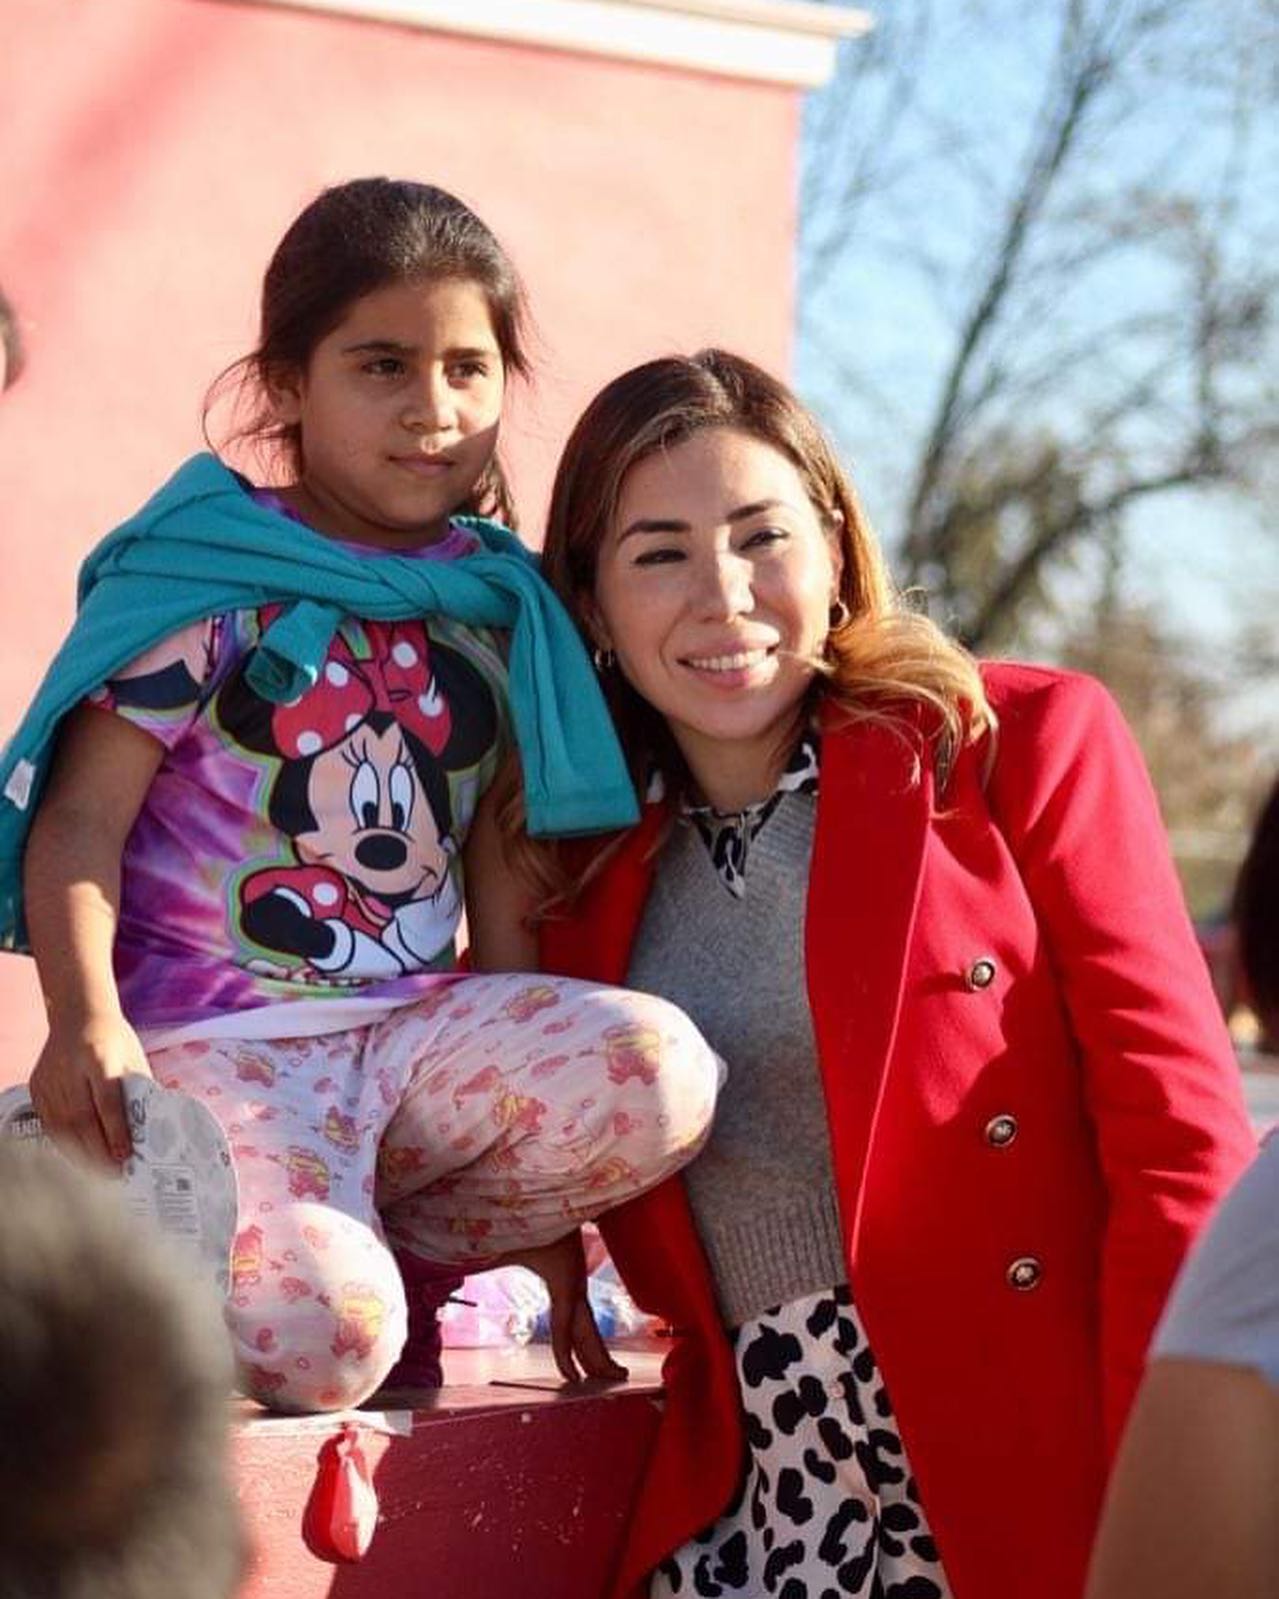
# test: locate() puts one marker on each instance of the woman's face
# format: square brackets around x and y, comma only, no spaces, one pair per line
[714,586]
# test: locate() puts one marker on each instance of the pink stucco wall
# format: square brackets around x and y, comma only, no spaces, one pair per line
[155,149]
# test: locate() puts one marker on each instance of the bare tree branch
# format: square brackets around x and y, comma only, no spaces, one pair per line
[1082,273]
[1020,573]
[1084,67]
[835,188]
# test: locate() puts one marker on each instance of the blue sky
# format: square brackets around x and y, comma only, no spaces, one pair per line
[874,338]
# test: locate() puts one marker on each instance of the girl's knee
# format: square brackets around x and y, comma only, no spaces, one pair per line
[658,1048]
[317,1311]
[690,1059]
[661,1082]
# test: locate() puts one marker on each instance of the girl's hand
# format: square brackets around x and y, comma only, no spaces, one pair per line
[76,1088]
[575,1339]
[71,879]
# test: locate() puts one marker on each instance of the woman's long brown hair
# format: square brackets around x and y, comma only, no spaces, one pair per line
[882,659]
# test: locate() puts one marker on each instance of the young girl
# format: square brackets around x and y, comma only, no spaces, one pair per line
[979,1093]
[276,724]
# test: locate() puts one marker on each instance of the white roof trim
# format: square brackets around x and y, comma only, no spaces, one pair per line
[776,41]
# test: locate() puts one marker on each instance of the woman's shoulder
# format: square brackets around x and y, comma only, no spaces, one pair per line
[1051,712]
[1040,719]
[1026,688]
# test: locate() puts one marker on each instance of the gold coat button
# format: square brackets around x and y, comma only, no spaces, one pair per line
[981,974]
[1025,1273]
[1000,1131]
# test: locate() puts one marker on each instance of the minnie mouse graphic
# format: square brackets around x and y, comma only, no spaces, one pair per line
[363,794]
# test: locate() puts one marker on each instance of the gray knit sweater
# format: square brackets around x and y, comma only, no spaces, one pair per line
[762,1190]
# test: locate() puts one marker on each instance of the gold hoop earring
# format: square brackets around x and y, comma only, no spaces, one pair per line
[840,615]
[605,660]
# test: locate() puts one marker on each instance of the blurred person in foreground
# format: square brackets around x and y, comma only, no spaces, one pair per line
[1194,1504]
[114,1479]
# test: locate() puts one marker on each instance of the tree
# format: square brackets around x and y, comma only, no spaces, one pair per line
[1038,282]
[1208,768]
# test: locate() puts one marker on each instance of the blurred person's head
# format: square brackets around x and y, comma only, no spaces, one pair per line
[115,1374]
[12,355]
[1256,911]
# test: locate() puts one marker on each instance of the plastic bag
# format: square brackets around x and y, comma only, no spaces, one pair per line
[511,1306]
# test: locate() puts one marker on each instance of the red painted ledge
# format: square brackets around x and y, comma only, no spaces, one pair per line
[504,1482]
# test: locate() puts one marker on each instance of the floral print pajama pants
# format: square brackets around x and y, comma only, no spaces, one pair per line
[496,1113]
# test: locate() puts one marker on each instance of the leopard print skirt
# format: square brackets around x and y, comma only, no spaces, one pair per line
[828,1506]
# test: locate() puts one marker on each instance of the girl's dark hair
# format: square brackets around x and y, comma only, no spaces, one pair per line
[351,240]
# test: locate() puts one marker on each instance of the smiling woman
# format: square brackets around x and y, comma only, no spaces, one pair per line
[718,615]
[979,1091]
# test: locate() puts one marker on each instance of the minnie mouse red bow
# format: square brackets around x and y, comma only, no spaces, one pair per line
[396,679]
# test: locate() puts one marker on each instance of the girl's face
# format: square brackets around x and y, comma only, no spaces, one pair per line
[398,411]
[714,586]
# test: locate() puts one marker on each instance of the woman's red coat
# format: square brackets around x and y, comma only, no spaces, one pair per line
[1099,1035]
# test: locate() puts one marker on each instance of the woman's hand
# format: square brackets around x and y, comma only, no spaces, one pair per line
[76,1087]
[576,1343]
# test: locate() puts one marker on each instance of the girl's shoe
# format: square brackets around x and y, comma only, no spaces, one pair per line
[427,1286]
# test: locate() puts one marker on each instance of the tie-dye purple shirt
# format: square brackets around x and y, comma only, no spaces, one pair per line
[311,850]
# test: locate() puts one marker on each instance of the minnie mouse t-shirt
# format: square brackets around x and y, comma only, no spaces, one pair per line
[308,851]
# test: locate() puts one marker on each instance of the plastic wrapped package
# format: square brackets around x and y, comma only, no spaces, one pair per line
[510,1305]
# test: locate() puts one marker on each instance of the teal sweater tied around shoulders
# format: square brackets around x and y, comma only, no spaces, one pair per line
[202,546]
